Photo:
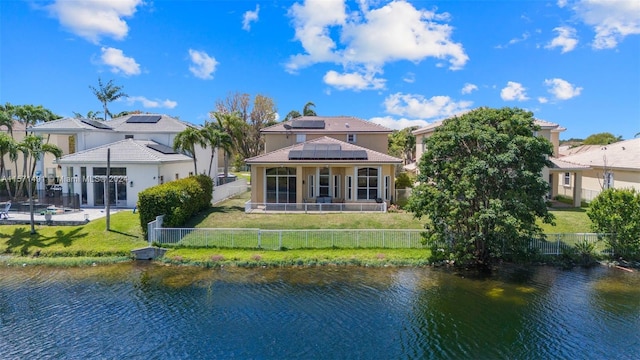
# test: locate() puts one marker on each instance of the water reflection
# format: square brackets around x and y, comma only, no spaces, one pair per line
[148,311]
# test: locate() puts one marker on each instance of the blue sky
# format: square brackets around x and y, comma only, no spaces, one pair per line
[397,63]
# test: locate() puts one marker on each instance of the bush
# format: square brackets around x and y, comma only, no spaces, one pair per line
[178,200]
[404,180]
[616,212]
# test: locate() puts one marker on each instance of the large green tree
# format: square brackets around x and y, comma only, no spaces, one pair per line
[186,141]
[616,213]
[307,110]
[481,188]
[107,93]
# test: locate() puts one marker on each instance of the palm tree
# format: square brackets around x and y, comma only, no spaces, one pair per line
[6,117]
[229,123]
[34,149]
[306,111]
[216,137]
[106,94]
[186,141]
[90,115]
[7,146]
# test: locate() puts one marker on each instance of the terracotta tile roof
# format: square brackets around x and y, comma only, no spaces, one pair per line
[565,150]
[124,151]
[332,124]
[281,156]
[620,155]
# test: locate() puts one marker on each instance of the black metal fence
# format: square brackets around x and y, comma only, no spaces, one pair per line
[42,200]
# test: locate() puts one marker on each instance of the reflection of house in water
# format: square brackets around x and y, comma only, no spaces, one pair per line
[141,156]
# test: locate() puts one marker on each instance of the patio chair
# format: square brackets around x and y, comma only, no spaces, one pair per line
[5,212]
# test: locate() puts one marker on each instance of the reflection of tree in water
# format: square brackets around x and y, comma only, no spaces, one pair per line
[475,316]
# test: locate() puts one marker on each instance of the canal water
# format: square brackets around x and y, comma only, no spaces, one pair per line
[146,311]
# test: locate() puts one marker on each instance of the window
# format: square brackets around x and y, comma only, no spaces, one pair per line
[336,186]
[312,186]
[351,138]
[387,187]
[348,187]
[567,179]
[281,185]
[367,183]
[128,137]
[301,138]
[608,180]
[323,182]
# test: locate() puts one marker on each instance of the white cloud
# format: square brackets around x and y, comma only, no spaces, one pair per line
[249,17]
[468,88]
[611,20]
[566,39]
[353,81]
[369,38]
[417,106]
[119,62]
[513,91]
[409,78]
[543,100]
[94,19]
[167,104]
[562,3]
[203,65]
[398,124]
[562,89]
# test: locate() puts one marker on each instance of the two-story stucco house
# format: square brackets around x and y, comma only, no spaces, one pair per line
[321,159]
[141,155]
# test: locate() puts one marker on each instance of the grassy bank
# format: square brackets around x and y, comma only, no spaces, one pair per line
[91,244]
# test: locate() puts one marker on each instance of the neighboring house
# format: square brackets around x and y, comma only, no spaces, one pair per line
[615,165]
[548,130]
[324,159]
[141,156]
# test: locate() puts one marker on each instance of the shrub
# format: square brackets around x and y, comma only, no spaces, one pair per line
[616,212]
[178,200]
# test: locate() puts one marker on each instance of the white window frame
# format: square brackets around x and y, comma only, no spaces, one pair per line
[351,138]
[336,186]
[567,179]
[348,187]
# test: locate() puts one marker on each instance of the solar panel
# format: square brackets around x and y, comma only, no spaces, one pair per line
[324,154]
[143,119]
[307,124]
[167,150]
[96,124]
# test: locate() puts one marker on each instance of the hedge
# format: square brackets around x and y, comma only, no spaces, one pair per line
[177,200]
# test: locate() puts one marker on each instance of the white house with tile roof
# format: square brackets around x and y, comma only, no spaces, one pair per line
[615,165]
[324,160]
[141,156]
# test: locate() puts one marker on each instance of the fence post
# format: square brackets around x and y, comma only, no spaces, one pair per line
[280,240]
[558,241]
[259,239]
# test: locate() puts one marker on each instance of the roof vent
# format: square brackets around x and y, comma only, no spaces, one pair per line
[346,124]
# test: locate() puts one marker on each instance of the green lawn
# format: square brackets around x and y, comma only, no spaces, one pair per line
[91,243]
